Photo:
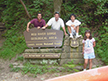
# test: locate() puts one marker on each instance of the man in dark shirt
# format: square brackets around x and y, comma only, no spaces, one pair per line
[38,22]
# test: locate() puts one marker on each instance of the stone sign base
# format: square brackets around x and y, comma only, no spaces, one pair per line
[43,56]
[72,53]
[56,55]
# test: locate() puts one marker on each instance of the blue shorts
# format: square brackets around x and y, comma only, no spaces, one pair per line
[89,56]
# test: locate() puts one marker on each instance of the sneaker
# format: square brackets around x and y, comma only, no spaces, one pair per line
[84,70]
[77,36]
[71,36]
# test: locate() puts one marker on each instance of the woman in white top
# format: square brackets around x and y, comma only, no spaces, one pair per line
[73,26]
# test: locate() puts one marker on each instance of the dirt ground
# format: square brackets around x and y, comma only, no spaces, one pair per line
[6,75]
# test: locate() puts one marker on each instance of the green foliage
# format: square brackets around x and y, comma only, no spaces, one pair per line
[12,12]
[82,30]
[41,6]
[12,46]
[11,65]
[102,43]
[70,64]
[92,14]
[42,69]
[15,69]
[19,58]
[76,70]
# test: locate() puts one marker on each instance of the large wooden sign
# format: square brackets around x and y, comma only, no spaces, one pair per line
[43,38]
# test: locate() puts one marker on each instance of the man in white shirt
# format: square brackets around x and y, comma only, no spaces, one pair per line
[56,22]
[73,26]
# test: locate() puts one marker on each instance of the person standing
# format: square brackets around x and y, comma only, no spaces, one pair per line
[37,22]
[73,26]
[56,22]
[88,49]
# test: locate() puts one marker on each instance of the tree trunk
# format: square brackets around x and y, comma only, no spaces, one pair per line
[25,9]
[57,5]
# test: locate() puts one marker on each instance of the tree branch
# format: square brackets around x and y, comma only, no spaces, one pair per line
[25,9]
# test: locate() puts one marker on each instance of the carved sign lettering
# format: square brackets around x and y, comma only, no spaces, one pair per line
[41,55]
[43,38]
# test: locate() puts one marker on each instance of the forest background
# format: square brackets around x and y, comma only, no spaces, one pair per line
[92,13]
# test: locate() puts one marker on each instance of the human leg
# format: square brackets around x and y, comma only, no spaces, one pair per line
[85,63]
[77,29]
[90,63]
[77,32]
[91,56]
[69,29]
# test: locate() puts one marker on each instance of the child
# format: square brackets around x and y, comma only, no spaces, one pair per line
[88,49]
[73,26]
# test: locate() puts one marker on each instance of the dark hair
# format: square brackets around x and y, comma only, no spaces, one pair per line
[39,13]
[85,37]
[72,15]
[57,13]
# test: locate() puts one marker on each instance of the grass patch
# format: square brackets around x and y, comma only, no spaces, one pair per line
[13,46]
[19,58]
[33,70]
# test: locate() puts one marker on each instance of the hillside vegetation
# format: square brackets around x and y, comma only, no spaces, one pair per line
[92,13]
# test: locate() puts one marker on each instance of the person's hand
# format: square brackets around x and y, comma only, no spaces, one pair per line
[66,33]
[38,27]
[43,28]
[73,25]
[27,29]
[74,28]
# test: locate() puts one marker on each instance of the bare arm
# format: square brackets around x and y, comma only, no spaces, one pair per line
[28,26]
[64,30]
[83,48]
[94,44]
[69,29]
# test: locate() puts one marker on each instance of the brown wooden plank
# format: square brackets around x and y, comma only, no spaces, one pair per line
[41,55]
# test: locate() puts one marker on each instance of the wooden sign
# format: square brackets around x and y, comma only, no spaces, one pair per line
[43,38]
[41,55]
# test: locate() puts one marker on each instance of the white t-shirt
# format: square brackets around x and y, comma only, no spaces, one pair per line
[76,23]
[88,45]
[56,24]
